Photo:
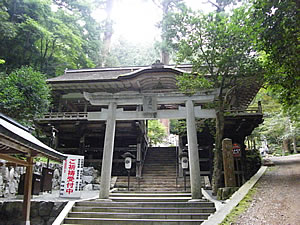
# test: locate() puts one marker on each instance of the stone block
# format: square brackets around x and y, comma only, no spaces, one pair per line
[88,171]
[57,208]
[37,221]
[226,192]
[87,179]
[96,186]
[88,187]
[45,208]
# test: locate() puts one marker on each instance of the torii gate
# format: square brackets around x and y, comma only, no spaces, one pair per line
[149,101]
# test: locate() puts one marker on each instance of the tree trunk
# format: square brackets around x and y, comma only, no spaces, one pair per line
[107,33]
[165,55]
[294,144]
[286,145]
[218,159]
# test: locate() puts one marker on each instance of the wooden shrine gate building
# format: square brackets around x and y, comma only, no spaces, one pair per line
[102,113]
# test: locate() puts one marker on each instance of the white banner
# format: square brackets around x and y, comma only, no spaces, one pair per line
[71,179]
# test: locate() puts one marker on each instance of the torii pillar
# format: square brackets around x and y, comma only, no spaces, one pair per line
[108,151]
[193,151]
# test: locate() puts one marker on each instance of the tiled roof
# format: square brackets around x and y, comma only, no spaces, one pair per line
[109,73]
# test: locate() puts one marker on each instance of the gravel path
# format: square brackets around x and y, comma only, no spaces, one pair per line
[277,200]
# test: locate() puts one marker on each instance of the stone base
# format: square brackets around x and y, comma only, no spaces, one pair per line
[104,200]
[226,192]
[196,200]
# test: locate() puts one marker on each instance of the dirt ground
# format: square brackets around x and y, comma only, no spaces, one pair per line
[277,200]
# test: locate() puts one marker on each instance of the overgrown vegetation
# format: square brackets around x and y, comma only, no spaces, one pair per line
[279,130]
[240,208]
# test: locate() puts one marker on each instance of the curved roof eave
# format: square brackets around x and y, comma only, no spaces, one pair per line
[119,77]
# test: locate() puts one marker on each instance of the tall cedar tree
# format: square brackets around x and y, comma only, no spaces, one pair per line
[219,47]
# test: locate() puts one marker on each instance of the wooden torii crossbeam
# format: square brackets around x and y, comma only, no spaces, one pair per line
[16,142]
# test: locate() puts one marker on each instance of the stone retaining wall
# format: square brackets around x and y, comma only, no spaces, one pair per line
[42,212]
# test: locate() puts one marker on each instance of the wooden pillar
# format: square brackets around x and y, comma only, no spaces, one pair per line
[138,158]
[193,151]
[228,163]
[27,191]
[108,151]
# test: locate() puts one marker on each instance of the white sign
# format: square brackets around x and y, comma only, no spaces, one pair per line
[71,179]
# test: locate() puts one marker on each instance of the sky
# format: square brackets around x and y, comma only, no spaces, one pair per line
[136,20]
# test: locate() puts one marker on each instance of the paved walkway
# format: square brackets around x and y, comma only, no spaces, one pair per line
[277,200]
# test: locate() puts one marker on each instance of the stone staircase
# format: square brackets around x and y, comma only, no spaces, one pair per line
[159,173]
[141,209]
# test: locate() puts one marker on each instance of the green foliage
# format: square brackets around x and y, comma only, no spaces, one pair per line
[277,125]
[47,36]
[189,83]
[277,25]
[156,132]
[240,208]
[24,94]
[2,61]
[219,47]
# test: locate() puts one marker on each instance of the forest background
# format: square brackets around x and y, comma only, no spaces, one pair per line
[41,38]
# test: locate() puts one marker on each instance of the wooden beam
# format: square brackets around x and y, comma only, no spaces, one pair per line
[9,151]
[14,160]
[103,98]
[27,190]
[10,143]
[159,114]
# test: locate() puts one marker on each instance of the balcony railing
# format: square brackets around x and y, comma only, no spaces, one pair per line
[84,115]
[65,116]
[250,110]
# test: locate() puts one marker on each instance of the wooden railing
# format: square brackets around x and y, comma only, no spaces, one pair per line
[84,115]
[65,116]
[250,110]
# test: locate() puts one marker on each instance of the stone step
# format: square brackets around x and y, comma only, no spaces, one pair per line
[156,187]
[145,209]
[99,203]
[136,215]
[154,182]
[150,199]
[118,221]
[159,167]
[150,194]
[149,179]
[173,189]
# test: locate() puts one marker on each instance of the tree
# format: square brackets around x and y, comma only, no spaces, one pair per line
[277,24]
[46,36]
[168,7]
[108,32]
[219,47]
[156,132]
[24,94]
